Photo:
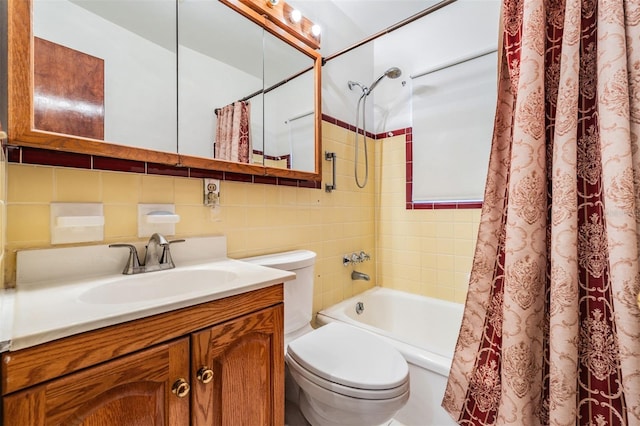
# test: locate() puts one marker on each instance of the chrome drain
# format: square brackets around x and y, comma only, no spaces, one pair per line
[359,308]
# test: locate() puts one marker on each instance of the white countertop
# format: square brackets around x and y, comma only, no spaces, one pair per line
[45,313]
[45,310]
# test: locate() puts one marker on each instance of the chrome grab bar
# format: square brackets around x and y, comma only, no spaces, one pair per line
[331,156]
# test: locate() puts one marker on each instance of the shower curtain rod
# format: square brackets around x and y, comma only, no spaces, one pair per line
[453,64]
[298,117]
[394,27]
[268,89]
[278,84]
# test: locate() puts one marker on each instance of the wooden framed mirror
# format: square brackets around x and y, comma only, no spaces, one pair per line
[154,79]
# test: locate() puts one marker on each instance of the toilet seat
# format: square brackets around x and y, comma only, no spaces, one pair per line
[350,362]
[364,394]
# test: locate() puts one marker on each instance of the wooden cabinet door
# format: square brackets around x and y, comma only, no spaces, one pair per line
[134,390]
[244,360]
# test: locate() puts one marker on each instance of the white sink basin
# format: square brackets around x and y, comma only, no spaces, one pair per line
[57,298]
[155,285]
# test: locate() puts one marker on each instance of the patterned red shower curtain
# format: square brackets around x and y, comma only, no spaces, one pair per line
[551,330]
[233,141]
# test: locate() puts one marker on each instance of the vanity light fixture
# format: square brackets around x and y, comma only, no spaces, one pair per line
[281,14]
[295,15]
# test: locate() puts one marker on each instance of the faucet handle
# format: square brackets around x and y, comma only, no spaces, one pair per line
[166,253]
[364,256]
[133,263]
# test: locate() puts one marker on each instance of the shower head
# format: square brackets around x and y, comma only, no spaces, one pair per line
[393,72]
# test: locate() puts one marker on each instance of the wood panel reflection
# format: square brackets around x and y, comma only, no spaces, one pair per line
[68,91]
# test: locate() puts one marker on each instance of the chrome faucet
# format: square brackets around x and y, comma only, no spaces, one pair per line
[355,275]
[154,258]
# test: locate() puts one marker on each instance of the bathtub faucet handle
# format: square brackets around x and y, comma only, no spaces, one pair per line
[354,258]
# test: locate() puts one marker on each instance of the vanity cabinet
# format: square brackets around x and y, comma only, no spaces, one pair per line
[217,363]
[132,390]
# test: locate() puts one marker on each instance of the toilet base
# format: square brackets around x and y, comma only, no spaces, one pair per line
[293,416]
[314,417]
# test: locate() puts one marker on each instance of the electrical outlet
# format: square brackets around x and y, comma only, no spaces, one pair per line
[211,192]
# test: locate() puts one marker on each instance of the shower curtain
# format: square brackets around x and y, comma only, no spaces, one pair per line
[233,141]
[551,329]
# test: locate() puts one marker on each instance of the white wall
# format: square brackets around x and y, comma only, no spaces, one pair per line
[290,100]
[140,76]
[453,115]
[205,86]
[337,100]
[453,32]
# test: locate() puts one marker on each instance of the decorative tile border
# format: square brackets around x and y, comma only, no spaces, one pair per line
[410,204]
[345,125]
[44,157]
[27,155]
[275,158]
[117,165]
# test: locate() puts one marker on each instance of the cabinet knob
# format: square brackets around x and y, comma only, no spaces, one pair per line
[181,388]
[205,375]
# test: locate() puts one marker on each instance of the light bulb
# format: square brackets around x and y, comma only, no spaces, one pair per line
[296,16]
[316,30]
[272,2]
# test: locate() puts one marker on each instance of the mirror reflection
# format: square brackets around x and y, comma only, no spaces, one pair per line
[221,62]
[288,107]
[241,107]
[192,77]
[117,73]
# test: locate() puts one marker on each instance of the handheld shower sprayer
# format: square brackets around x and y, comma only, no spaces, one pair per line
[393,72]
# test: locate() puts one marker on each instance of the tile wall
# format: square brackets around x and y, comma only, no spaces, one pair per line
[256,218]
[426,252]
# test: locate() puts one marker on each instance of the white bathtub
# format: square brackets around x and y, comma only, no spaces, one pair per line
[423,329]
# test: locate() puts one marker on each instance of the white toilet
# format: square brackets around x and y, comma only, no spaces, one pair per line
[336,374]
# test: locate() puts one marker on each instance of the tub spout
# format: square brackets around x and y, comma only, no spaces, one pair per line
[355,275]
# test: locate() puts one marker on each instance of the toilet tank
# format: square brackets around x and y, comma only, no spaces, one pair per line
[298,293]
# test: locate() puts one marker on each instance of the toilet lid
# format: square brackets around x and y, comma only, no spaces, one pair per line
[351,357]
